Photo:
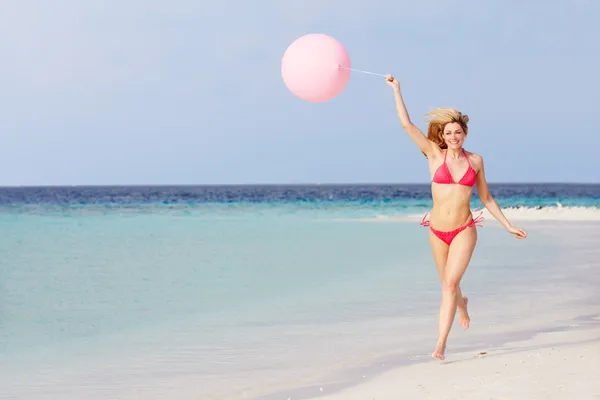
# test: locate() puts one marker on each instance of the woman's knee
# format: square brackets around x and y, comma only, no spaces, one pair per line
[450,285]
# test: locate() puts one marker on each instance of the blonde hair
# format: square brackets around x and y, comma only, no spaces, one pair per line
[439,118]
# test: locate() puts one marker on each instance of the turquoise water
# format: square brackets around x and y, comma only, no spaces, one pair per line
[70,277]
[213,300]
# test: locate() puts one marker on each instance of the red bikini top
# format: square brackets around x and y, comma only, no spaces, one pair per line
[443,175]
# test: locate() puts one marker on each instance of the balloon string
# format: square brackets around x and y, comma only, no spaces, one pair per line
[358,70]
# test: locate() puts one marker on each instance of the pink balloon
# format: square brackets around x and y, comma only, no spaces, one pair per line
[310,67]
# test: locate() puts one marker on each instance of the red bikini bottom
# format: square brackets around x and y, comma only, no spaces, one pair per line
[448,237]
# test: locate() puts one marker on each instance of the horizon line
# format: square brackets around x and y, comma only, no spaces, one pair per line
[277,184]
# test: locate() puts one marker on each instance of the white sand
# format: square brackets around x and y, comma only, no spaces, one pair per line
[558,365]
[547,214]
[557,213]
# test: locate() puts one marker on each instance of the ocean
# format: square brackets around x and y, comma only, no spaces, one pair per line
[260,291]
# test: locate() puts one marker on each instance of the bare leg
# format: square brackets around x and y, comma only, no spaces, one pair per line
[459,255]
[465,319]
[440,256]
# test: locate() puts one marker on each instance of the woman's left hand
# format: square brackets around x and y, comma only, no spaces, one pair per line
[520,233]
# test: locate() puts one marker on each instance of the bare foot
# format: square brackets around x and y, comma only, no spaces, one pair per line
[464,315]
[438,354]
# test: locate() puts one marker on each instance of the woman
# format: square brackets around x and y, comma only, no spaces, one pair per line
[452,233]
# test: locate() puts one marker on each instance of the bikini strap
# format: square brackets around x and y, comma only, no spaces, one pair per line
[423,222]
[467,157]
[477,220]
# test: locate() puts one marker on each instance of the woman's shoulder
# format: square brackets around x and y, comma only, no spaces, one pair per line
[474,158]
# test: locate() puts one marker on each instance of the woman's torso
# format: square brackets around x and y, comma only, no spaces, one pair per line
[452,198]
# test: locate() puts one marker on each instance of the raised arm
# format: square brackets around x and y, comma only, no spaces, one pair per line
[490,204]
[426,145]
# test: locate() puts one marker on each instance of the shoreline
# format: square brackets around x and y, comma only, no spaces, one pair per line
[522,293]
[562,314]
[563,363]
[387,378]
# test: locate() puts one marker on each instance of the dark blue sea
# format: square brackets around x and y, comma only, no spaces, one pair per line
[412,197]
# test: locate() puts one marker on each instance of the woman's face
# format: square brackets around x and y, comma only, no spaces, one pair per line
[454,135]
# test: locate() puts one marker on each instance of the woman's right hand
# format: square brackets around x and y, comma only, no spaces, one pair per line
[518,232]
[393,82]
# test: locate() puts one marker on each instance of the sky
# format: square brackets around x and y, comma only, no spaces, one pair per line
[139,92]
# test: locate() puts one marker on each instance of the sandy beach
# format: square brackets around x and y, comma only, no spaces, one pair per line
[557,362]
[553,365]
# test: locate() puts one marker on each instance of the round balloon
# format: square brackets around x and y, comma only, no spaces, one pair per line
[311,67]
